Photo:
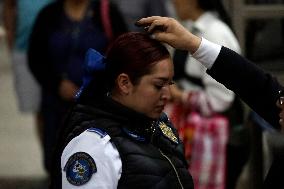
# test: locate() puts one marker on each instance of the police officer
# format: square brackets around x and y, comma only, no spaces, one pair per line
[117,135]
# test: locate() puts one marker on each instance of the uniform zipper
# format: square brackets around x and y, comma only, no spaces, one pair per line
[153,129]
[173,168]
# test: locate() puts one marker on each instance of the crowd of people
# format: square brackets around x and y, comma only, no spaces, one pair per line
[125,96]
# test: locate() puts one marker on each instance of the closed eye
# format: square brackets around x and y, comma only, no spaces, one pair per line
[159,86]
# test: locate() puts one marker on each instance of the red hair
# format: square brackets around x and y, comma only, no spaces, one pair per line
[133,53]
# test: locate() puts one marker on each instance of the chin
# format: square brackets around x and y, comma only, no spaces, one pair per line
[155,115]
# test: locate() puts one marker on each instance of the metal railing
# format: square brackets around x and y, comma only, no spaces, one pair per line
[242,12]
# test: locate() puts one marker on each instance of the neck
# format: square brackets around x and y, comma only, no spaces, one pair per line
[117,98]
[191,11]
[196,14]
[76,9]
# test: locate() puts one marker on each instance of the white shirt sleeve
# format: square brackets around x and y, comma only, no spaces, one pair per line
[207,53]
[217,96]
[105,155]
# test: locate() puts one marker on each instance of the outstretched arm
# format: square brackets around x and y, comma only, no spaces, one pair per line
[256,87]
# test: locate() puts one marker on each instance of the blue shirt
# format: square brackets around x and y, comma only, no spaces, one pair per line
[70,41]
[27,12]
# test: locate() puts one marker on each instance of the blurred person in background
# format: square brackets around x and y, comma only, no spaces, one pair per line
[19,17]
[135,9]
[199,92]
[63,32]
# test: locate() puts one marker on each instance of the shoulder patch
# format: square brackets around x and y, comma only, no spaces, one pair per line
[79,168]
[100,132]
[168,132]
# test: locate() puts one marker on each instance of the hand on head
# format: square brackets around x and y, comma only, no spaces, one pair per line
[169,30]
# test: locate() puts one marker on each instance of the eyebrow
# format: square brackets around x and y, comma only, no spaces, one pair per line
[162,78]
[165,80]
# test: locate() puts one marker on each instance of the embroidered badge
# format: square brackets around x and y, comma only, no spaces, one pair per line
[168,132]
[79,168]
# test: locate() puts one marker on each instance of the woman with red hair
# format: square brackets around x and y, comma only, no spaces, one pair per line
[117,135]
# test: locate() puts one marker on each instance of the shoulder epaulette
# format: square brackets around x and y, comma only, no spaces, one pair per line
[100,132]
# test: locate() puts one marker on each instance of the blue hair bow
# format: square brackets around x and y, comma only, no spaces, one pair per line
[94,61]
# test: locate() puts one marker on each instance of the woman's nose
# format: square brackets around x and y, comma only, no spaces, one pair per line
[166,93]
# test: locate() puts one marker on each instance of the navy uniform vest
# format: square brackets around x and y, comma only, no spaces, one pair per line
[150,150]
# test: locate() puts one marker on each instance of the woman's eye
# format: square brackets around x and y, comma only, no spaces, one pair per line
[159,86]
[171,82]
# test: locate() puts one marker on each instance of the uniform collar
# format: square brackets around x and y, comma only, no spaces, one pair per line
[132,122]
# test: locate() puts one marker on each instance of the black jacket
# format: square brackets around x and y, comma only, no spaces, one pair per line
[256,88]
[150,159]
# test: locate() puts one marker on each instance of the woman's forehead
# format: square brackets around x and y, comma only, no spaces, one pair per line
[163,70]
[161,66]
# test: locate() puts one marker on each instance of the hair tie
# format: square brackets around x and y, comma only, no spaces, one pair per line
[94,61]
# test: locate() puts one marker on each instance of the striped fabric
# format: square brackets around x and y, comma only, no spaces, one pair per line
[205,140]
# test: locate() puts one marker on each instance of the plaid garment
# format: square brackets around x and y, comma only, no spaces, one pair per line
[208,159]
[205,139]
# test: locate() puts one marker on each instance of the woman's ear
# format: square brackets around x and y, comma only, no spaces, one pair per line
[124,84]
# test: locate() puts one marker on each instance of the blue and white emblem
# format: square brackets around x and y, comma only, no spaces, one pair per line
[79,168]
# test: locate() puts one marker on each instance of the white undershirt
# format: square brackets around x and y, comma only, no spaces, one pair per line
[207,53]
